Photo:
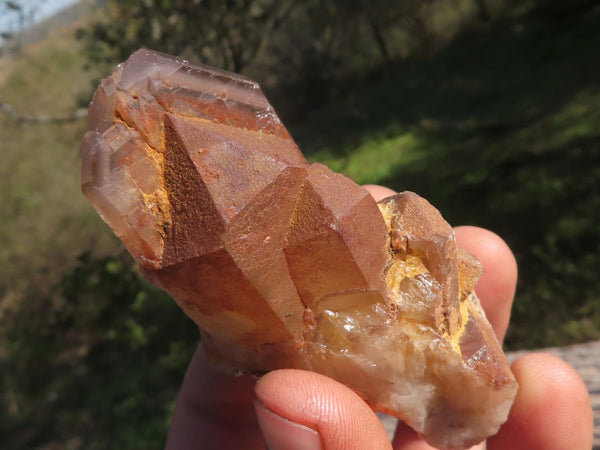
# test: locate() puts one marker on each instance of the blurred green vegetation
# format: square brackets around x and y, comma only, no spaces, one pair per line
[502,130]
[99,360]
[489,109]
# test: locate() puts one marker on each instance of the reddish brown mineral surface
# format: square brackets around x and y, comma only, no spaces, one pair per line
[286,264]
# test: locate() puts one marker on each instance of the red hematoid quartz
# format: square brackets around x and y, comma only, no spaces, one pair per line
[286,264]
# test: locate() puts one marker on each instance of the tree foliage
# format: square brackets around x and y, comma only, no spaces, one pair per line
[304,52]
[228,34]
[95,363]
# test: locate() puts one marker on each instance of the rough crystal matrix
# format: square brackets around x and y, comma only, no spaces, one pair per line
[286,264]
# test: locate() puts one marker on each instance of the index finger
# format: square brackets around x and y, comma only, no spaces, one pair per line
[496,289]
[214,410]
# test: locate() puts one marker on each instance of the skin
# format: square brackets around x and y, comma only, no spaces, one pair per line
[294,409]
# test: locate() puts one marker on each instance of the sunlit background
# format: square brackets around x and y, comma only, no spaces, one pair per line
[488,108]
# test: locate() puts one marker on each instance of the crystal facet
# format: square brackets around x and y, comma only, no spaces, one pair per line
[285,264]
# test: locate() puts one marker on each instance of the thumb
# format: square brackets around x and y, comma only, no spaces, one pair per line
[304,410]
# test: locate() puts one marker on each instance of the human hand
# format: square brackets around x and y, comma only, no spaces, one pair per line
[293,409]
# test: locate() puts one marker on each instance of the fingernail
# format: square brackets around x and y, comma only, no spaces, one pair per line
[283,434]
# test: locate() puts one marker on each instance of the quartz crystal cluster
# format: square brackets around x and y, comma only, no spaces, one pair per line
[285,264]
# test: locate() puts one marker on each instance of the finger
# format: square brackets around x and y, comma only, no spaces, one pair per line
[300,409]
[496,289]
[378,192]
[214,411]
[552,410]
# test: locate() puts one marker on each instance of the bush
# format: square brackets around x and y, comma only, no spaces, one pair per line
[97,363]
